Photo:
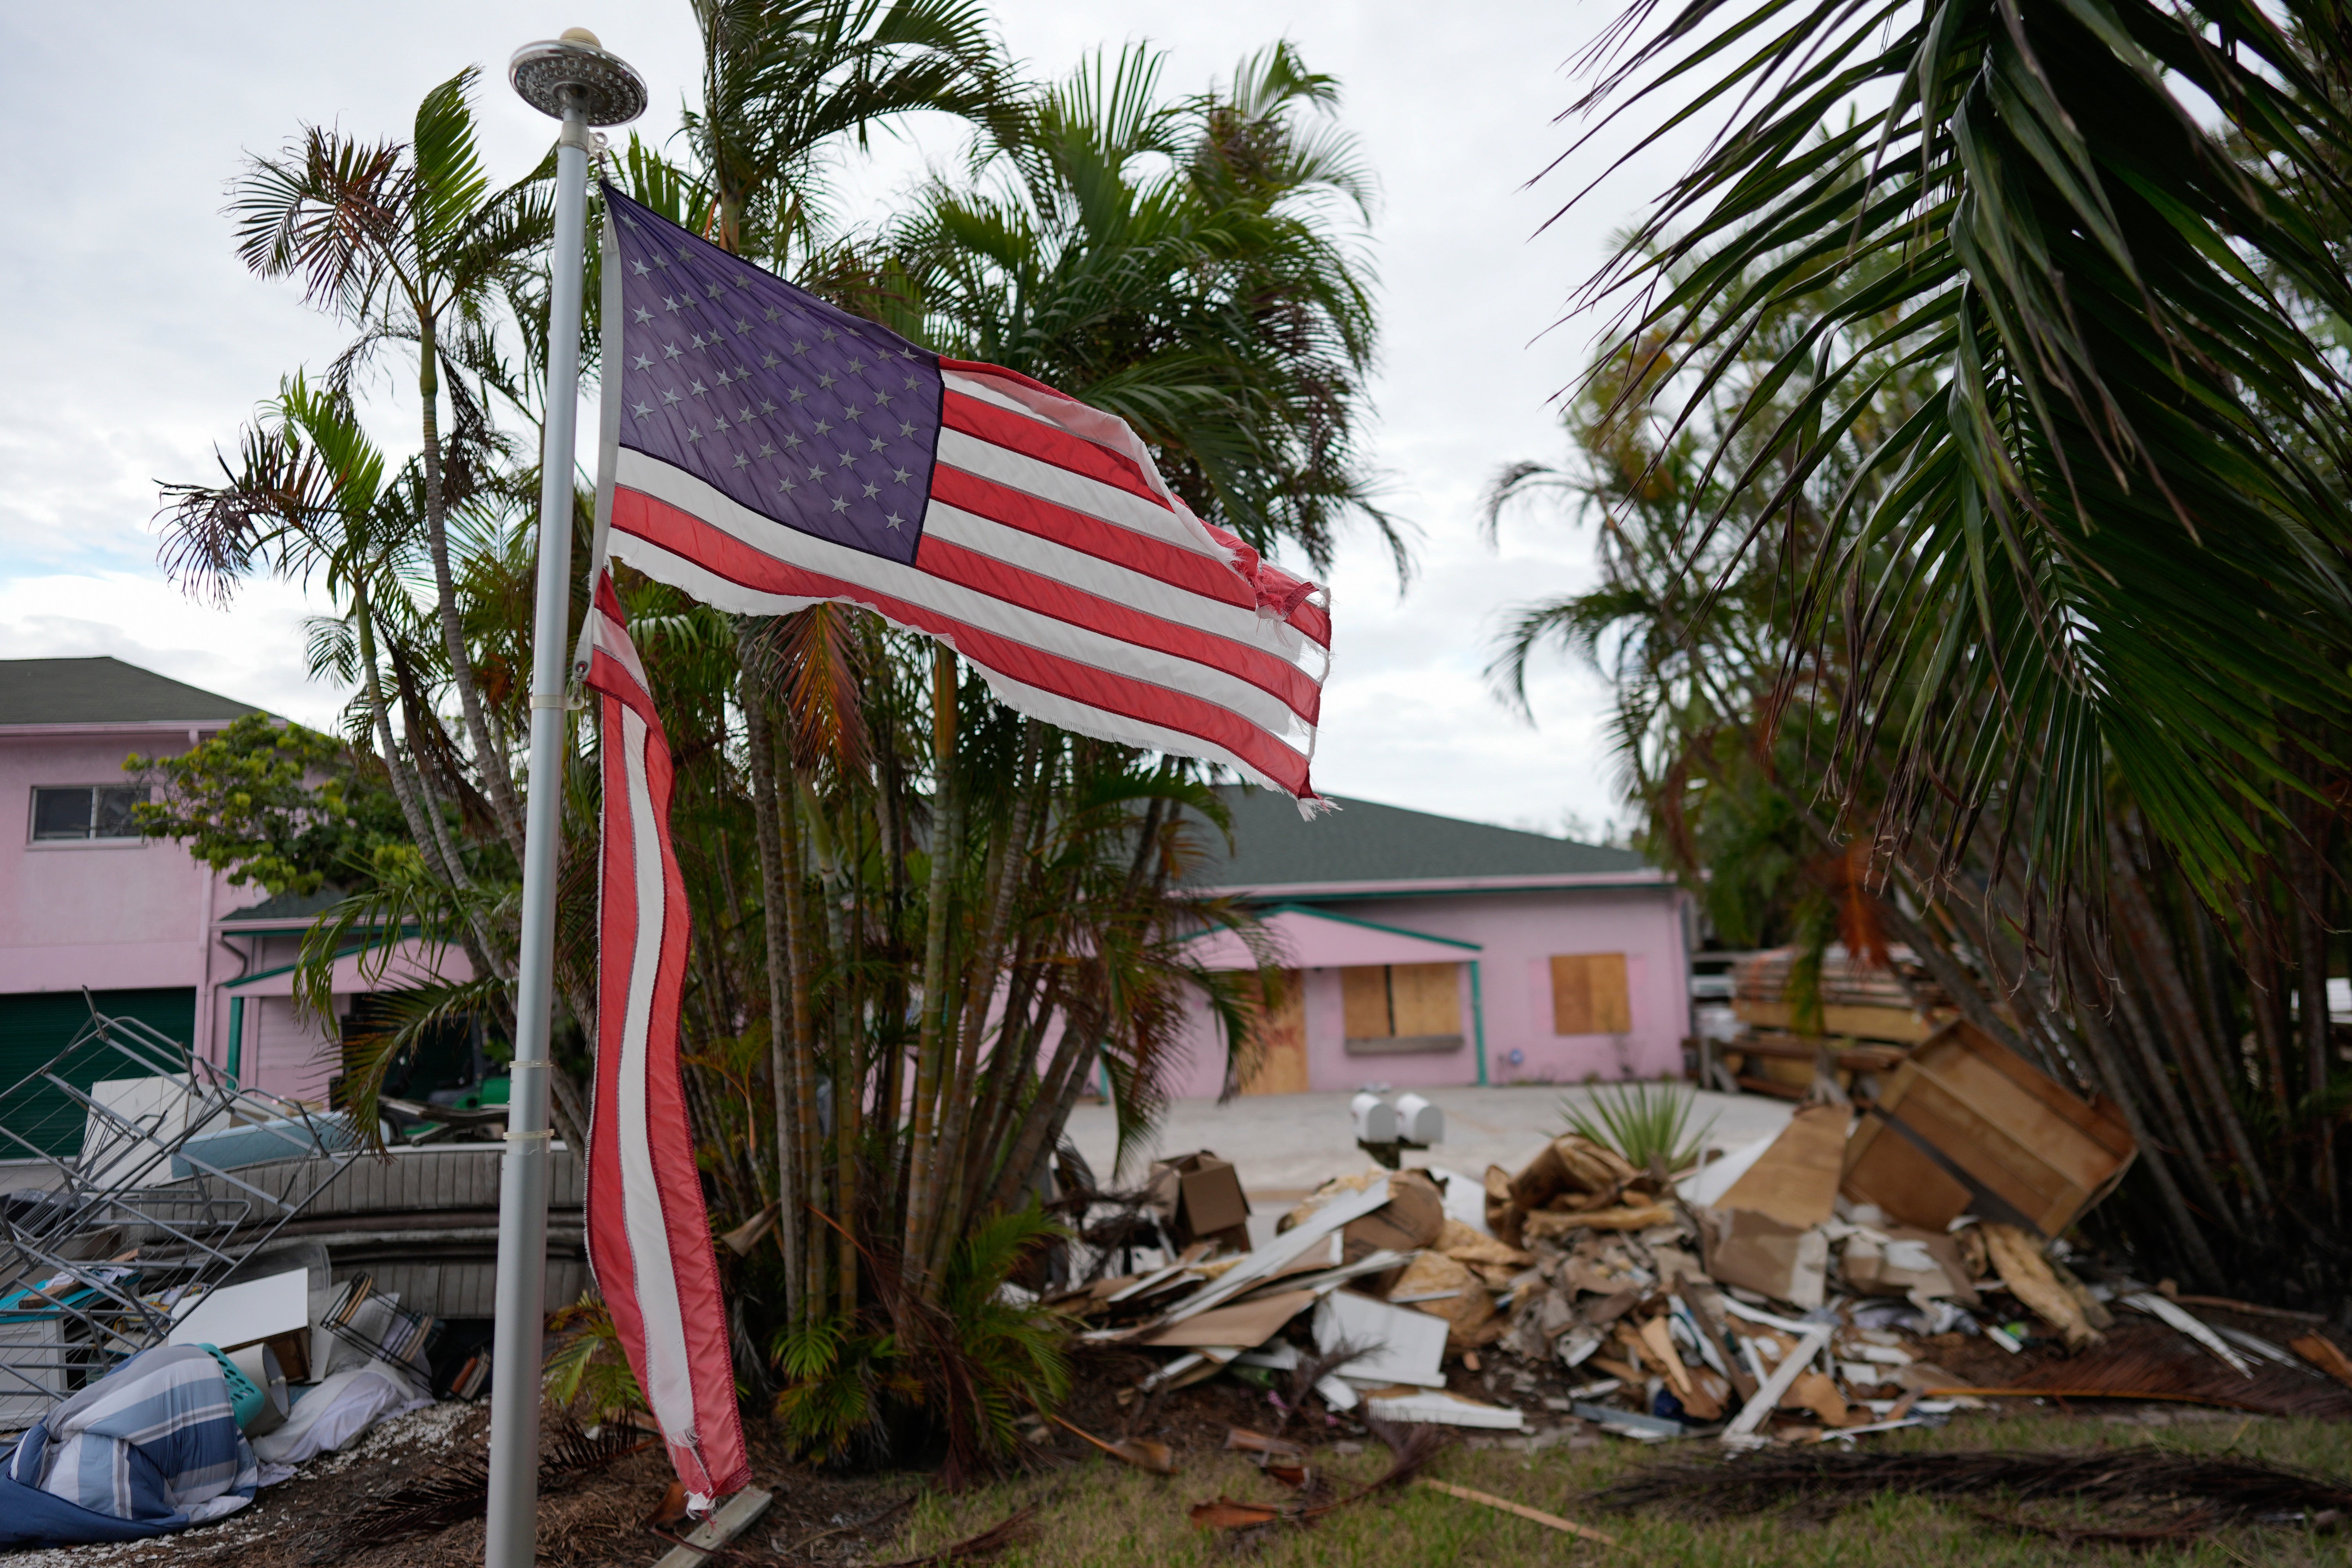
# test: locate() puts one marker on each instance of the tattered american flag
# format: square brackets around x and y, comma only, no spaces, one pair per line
[776,452]
[648,1229]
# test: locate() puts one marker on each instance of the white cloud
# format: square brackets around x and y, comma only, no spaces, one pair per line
[137,342]
[251,651]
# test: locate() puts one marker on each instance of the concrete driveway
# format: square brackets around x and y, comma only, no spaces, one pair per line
[1285,1145]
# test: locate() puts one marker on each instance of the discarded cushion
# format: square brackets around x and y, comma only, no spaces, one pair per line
[339,1410]
[150,1449]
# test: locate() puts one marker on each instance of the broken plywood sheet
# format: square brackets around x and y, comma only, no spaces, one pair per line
[1243,1324]
[1795,1180]
[2018,1258]
[1397,1343]
[1970,1126]
[1272,1258]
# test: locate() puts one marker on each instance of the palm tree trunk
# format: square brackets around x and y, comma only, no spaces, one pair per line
[405,788]
[1008,871]
[849,1092]
[2109,1065]
[1056,1094]
[922,1174]
[2183,1130]
[1009,1061]
[1010,1079]
[2158,964]
[490,761]
[2265,999]
[2307,868]
[760,763]
[799,959]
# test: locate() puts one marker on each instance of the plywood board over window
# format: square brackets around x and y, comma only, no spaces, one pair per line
[1282,1042]
[1394,1009]
[1589,995]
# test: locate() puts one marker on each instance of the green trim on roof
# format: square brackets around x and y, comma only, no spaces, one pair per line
[244,980]
[294,910]
[1369,925]
[1403,890]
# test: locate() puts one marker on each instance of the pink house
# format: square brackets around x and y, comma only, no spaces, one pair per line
[85,903]
[1428,950]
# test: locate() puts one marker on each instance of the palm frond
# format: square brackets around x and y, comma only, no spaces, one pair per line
[2112,532]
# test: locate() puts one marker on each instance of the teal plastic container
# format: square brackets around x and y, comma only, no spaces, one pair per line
[245,1399]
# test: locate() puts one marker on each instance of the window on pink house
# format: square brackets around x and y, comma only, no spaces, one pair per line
[85,811]
[1399,1009]
[1589,995]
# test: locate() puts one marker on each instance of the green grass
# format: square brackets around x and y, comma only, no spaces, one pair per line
[1100,1513]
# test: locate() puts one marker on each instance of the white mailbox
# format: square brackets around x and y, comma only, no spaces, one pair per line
[1376,1119]
[1418,1120]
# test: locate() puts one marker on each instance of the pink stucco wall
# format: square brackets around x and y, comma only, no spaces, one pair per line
[1517,934]
[125,914]
[109,913]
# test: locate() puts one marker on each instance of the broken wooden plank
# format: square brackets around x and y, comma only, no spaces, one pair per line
[1549,1520]
[2322,1353]
[732,1519]
[1768,1394]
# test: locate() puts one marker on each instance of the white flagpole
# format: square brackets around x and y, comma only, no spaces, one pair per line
[572,79]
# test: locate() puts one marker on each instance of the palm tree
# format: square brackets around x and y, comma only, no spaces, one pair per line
[2105,231]
[1194,266]
[785,82]
[923,926]
[310,497]
[1740,780]
[409,243]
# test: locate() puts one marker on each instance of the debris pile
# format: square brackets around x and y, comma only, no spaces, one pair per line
[176,1236]
[1849,1275]
[1869,1014]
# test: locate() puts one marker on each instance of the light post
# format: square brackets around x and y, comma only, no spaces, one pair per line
[574,80]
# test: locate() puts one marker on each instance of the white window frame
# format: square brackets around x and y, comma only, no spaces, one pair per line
[90,840]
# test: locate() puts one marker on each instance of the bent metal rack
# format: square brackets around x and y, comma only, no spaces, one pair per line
[139,1178]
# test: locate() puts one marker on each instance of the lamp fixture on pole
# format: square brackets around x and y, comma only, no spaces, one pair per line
[573,80]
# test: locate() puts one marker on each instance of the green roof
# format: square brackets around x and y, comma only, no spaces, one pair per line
[286,909]
[104,692]
[1365,842]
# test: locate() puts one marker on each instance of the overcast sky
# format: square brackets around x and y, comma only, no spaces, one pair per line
[134,343]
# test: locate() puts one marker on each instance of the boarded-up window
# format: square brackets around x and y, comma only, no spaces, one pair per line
[1400,1007]
[1281,1031]
[1588,995]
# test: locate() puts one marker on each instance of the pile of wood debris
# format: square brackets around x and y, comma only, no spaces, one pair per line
[1801,1289]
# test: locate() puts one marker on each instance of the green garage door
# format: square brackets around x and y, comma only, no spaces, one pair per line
[34,1026]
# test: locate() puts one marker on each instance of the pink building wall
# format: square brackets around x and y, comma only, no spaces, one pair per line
[136,913]
[109,914]
[1518,933]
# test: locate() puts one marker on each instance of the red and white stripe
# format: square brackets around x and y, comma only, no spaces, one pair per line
[648,1231]
[1054,557]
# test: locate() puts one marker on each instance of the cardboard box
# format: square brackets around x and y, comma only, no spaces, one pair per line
[1967,1126]
[1412,1218]
[1199,1198]
[1787,1262]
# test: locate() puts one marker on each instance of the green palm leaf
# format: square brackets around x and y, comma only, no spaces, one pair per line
[2116,536]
